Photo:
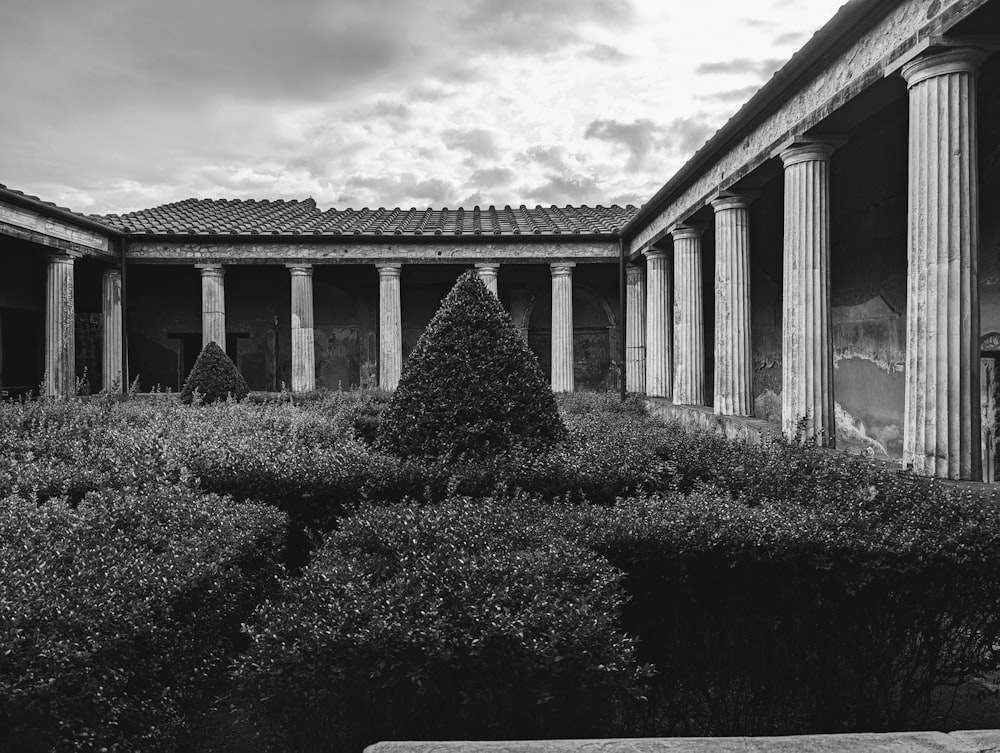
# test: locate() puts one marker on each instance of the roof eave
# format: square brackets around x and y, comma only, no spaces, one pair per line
[15,197]
[826,43]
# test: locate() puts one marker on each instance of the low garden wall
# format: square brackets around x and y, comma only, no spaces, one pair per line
[966,741]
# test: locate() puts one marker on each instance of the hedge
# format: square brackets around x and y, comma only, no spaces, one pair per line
[470,619]
[119,617]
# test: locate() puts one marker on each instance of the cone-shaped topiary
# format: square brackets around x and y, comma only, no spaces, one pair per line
[215,376]
[470,387]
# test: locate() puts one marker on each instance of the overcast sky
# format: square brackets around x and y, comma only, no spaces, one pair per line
[116,105]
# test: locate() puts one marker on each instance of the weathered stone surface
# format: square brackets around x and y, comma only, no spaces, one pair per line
[806,351]
[659,356]
[111,311]
[941,422]
[689,318]
[974,741]
[60,327]
[456,252]
[303,329]
[733,394]
[213,304]
[562,327]
[390,326]
[635,328]
[50,231]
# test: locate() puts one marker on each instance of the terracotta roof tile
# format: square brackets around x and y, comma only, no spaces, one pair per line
[253,217]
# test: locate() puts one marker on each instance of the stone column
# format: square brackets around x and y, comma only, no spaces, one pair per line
[390,322]
[659,357]
[488,274]
[213,305]
[733,395]
[562,326]
[635,328]
[60,327]
[806,343]
[689,318]
[303,345]
[941,422]
[111,308]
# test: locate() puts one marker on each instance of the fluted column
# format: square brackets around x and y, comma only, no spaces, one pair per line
[806,342]
[488,274]
[213,304]
[635,328]
[111,309]
[689,318]
[659,358]
[60,327]
[941,423]
[562,326]
[390,361]
[303,344]
[733,395]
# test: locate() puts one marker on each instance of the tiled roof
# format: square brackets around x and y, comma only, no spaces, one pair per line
[253,217]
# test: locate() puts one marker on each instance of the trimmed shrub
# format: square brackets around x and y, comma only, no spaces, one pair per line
[215,377]
[468,620]
[787,619]
[471,387]
[119,617]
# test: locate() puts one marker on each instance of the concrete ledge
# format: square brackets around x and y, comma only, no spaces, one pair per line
[751,430]
[969,741]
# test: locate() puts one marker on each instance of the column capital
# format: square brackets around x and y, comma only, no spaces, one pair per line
[211,270]
[941,63]
[654,253]
[112,272]
[562,268]
[300,270]
[634,272]
[487,265]
[684,230]
[67,257]
[388,271]
[808,149]
[733,200]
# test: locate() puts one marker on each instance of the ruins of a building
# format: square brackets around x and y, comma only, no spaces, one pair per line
[822,262]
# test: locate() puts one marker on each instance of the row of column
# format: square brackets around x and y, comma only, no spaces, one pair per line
[60,327]
[941,434]
[390,320]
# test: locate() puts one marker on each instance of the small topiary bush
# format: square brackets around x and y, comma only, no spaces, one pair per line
[119,617]
[215,377]
[471,387]
[471,619]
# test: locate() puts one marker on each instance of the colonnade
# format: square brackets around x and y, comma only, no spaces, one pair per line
[941,424]
[390,320]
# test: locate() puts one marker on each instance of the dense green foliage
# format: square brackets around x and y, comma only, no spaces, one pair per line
[471,388]
[119,616]
[214,376]
[775,588]
[468,620]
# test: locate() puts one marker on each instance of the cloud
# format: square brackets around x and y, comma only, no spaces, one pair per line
[732,95]
[477,141]
[491,176]
[639,137]
[528,25]
[605,53]
[762,68]
[566,189]
[404,190]
[687,135]
[790,37]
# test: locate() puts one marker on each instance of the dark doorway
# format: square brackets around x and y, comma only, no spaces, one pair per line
[22,351]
